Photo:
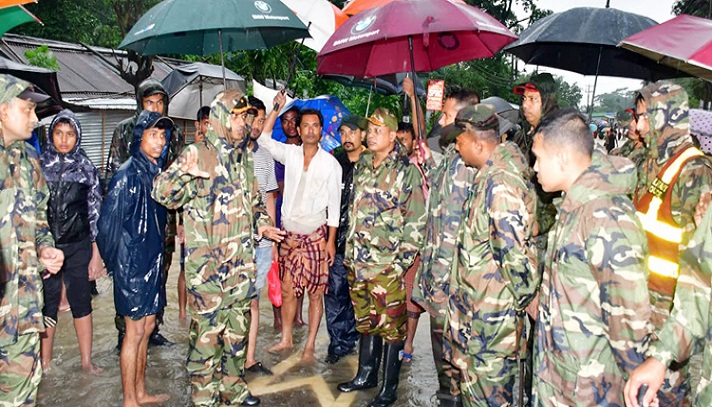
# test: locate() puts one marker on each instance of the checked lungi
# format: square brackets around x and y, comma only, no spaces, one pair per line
[304,258]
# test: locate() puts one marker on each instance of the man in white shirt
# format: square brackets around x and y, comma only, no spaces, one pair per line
[310,215]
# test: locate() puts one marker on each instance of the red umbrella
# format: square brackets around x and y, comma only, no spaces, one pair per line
[432,33]
[684,43]
[356,6]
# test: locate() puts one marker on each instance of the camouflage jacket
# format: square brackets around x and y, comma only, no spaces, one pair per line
[690,321]
[450,181]
[23,231]
[593,326]
[667,107]
[496,264]
[387,216]
[220,216]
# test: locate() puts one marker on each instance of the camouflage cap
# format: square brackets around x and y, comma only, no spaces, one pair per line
[480,117]
[382,117]
[11,87]
[354,122]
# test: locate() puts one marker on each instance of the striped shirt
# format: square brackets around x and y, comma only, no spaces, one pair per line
[264,172]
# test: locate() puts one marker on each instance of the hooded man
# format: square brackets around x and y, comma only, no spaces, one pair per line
[214,182]
[593,316]
[672,177]
[538,100]
[73,212]
[26,244]
[152,97]
[131,237]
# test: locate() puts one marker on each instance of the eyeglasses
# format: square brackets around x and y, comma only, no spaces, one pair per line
[639,116]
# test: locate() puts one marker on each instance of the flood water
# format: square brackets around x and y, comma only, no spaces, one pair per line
[66,384]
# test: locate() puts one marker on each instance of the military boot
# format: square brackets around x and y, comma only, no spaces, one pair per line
[448,400]
[391,372]
[369,357]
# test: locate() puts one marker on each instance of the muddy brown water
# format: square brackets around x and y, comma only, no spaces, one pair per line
[293,384]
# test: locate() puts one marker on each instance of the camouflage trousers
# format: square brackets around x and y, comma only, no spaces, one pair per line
[20,371]
[487,383]
[216,355]
[676,390]
[379,306]
[448,375]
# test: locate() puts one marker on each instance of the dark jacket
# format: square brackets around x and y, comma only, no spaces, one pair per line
[131,231]
[347,178]
[73,181]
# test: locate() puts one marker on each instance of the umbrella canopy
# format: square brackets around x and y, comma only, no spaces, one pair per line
[376,42]
[322,17]
[333,111]
[384,85]
[357,6]
[44,79]
[11,17]
[10,3]
[663,44]
[585,40]
[196,28]
[190,87]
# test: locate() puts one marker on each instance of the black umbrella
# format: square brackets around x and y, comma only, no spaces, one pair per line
[43,79]
[585,40]
[385,85]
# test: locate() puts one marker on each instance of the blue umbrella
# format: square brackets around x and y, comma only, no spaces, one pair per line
[333,111]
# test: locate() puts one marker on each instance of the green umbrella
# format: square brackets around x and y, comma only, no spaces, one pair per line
[11,17]
[192,27]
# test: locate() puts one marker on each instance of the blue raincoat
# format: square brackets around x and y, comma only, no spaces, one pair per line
[131,231]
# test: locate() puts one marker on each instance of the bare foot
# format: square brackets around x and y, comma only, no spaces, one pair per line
[153,399]
[299,322]
[182,315]
[92,368]
[308,356]
[280,346]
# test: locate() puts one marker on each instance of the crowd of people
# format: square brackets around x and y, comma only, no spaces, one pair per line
[555,271]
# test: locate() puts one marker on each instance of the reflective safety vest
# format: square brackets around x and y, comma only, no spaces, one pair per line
[664,235]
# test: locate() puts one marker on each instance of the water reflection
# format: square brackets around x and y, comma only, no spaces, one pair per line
[66,384]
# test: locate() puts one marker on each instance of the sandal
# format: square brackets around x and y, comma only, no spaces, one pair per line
[405,357]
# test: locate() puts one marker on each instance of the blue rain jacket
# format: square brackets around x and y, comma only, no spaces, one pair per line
[131,231]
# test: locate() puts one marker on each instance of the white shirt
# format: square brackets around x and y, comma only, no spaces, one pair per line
[322,191]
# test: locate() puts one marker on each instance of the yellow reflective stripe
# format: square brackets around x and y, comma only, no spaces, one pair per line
[663,267]
[674,168]
[660,229]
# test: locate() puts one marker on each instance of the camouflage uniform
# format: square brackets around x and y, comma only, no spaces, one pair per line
[23,231]
[593,325]
[221,214]
[690,321]
[450,182]
[385,234]
[667,108]
[496,278]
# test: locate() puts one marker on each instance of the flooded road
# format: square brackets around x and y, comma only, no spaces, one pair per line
[293,385]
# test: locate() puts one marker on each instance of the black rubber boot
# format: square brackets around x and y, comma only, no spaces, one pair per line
[369,357]
[391,372]
[448,400]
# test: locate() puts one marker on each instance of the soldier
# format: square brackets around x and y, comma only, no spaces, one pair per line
[449,183]
[387,220]
[690,320]
[151,96]
[214,183]
[340,322]
[593,320]
[26,244]
[672,176]
[496,273]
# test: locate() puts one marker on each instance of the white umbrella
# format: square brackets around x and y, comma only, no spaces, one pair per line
[322,18]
